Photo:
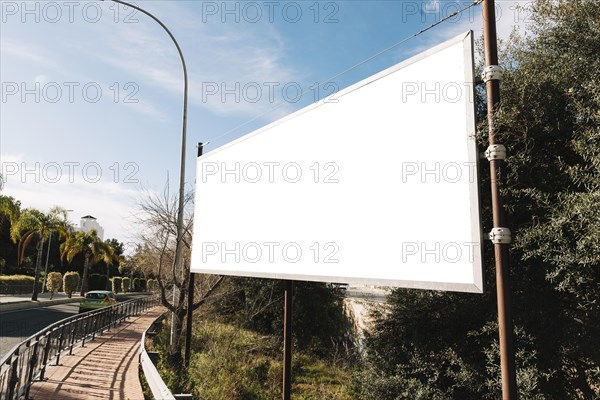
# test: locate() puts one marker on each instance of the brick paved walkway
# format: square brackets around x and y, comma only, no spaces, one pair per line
[105,369]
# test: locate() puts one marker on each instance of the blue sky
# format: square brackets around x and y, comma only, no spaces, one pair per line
[92,93]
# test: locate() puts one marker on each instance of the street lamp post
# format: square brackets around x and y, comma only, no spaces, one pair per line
[179,241]
[47,258]
[178,247]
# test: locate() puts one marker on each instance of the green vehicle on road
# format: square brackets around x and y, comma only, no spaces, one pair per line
[96,299]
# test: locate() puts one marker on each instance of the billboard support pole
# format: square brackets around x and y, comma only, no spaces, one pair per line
[500,235]
[287,339]
[190,305]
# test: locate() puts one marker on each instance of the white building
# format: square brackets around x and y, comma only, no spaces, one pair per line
[88,223]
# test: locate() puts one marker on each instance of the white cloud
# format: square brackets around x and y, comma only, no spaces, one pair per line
[217,55]
[26,52]
[37,185]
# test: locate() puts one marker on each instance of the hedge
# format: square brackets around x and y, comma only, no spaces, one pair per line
[126,284]
[17,284]
[139,285]
[116,284]
[71,282]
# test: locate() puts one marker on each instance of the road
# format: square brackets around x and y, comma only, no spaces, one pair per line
[16,326]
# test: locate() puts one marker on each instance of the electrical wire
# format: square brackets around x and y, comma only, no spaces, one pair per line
[303,92]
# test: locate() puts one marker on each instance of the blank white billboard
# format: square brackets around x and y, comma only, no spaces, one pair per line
[375,185]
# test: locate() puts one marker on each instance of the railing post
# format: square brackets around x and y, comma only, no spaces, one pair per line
[14,378]
[103,325]
[32,363]
[72,341]
[60,342]
[45,359]
[95,326]
[85,325]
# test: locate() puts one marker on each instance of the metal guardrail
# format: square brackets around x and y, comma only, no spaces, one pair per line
[28,360]
[157,386]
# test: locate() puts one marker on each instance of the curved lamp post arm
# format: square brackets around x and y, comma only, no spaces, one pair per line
[178,246]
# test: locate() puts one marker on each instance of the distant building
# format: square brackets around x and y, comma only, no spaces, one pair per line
[88,223]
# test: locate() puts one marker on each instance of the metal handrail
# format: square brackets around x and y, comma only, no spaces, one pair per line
[27,361]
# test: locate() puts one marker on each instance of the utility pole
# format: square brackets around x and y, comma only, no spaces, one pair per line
[500,235]
[190,305]
[287,339]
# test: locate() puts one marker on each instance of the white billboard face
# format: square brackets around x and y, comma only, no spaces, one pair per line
[376,185]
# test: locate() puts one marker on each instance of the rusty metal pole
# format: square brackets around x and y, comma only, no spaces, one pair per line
[190,305]
[505,326]
[287,340]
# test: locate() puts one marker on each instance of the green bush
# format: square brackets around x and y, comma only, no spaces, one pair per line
[97,282]
[54,283]
[71,282]
[126,284]
[116,284]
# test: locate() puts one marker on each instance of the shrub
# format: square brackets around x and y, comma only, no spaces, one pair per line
[116,284]
[97,282]
[126,284]
[152,285]
[71,282]
[139,285]
[54,283]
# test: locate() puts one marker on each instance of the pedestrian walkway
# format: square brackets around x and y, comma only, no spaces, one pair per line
[105,369]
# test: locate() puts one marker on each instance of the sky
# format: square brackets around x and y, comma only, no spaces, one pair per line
[91,107]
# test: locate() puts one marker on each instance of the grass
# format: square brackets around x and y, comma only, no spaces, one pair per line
[231,363]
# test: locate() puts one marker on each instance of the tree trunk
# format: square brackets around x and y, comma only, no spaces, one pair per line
[175,358]
[84,281]
[38,265]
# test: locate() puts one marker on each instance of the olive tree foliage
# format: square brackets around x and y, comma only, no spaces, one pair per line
[436,345]
[155,256]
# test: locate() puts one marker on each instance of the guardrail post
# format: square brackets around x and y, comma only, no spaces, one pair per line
[45,359]
[32,363]
[14,378]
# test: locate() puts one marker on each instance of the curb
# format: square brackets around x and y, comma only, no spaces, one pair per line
[25,305]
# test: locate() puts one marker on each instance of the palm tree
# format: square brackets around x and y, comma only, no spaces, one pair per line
[33,223]
[93,249]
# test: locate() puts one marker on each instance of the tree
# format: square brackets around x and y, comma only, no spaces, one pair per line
[54,283]
[434,345]
[158,223]
[10,209]
[92,248]
[116,249]
[33,223]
